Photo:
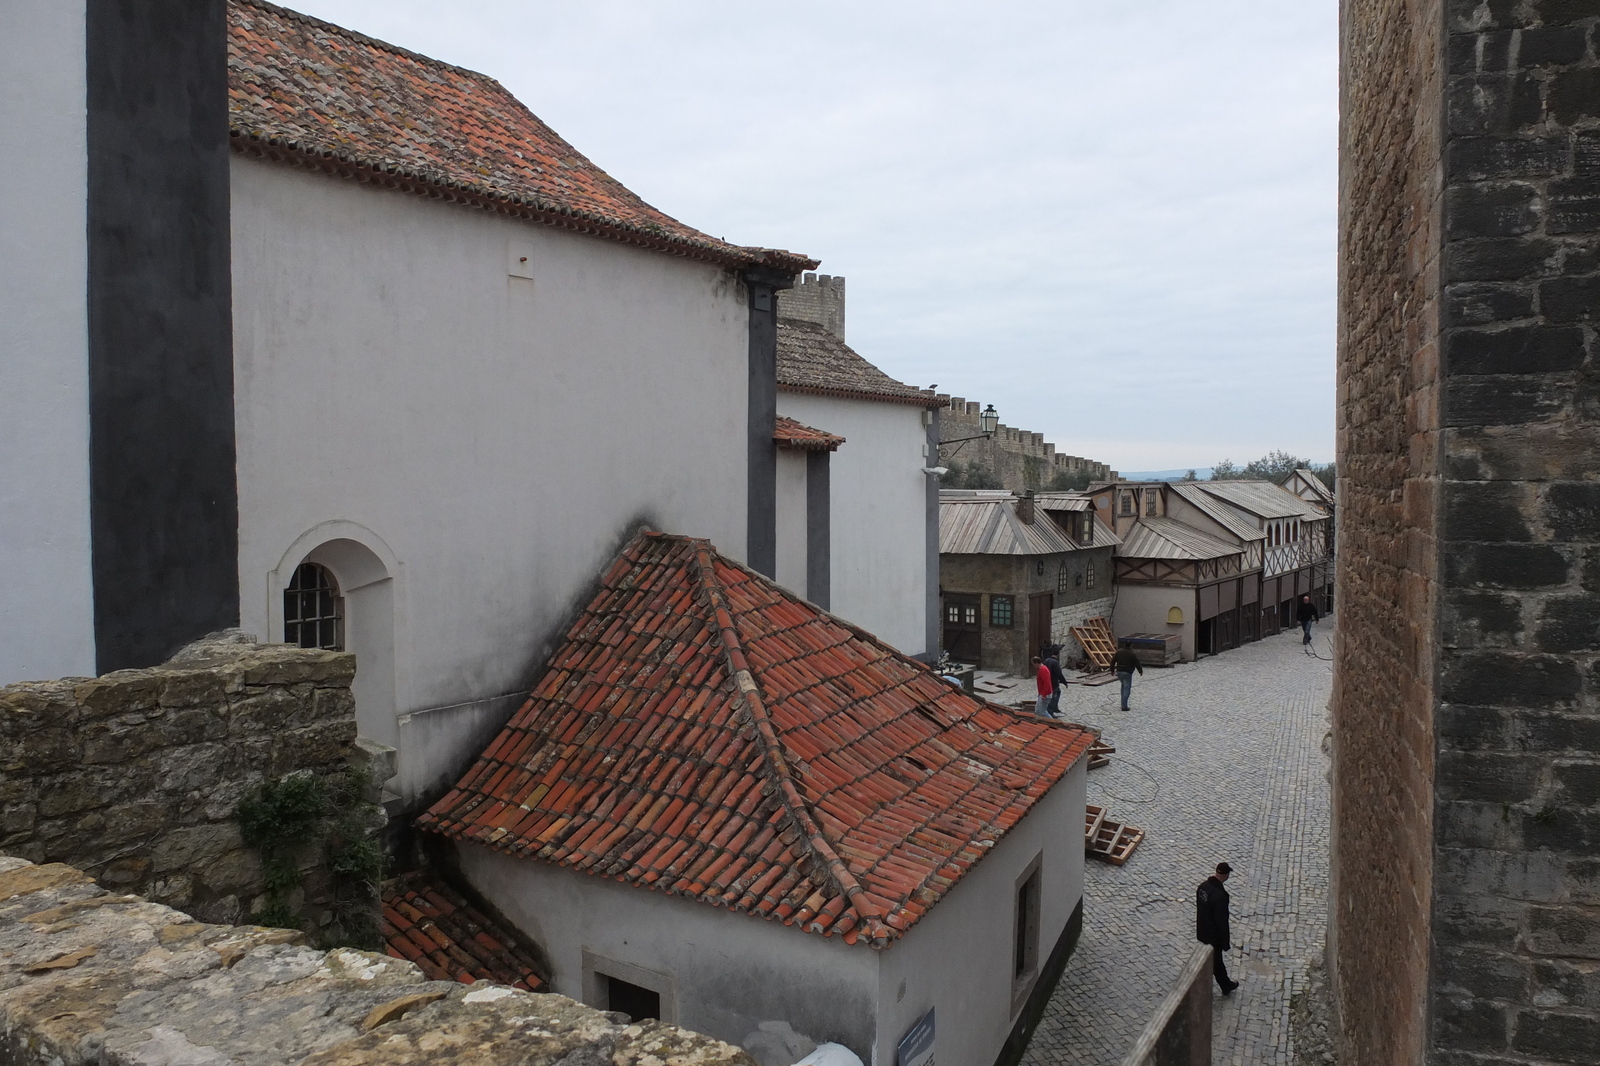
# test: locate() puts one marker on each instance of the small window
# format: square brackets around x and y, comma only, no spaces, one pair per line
[636,1001]
[1127,503]
[1000,610]
[952,613]
[313,610]
[1064,577]
[1088,574]
[1025,955]
[970,614]
[1150,501]
[1085,528]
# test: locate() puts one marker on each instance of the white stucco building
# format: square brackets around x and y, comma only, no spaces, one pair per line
[366,355]
[750,814]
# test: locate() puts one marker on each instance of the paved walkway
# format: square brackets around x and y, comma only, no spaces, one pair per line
[1218,760]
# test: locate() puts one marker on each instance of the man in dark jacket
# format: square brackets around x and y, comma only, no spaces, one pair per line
[1211,923]
[1305,613]
[1053,661]
[1125,662]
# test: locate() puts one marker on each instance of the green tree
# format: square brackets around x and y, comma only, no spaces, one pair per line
[1068,481]
[1191,475]
[1224,470]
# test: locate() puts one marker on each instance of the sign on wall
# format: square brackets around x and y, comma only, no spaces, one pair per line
[916,1047]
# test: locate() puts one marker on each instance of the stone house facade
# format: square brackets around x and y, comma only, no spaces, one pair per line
[1466,754]
[1018,572]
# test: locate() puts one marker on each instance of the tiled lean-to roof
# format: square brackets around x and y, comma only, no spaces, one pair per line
[317,95]
[813,360]
[1167,538]
[801,437]
[702,732]
[430,924]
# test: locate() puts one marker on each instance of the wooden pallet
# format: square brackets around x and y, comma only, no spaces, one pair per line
[1100,754]
[1113,842]
[1092,817]
[1095,636]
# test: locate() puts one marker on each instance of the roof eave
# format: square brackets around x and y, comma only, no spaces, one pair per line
[372,171]
[913,400]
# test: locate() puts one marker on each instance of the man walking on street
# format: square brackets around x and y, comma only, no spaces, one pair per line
[1125,662]
[1305,613]
[1057,679]
[1043,685]
[1211,923]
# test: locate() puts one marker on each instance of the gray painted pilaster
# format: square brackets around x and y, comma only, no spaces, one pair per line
[819,525]
[935,635]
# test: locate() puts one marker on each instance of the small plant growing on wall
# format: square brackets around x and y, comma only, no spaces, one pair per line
[287,819]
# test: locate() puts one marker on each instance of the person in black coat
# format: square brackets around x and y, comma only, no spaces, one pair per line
[1211,923]
[1305,612]
[1053,661]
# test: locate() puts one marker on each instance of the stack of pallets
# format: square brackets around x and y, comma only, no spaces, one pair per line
[1098,645]
[1106,840]
[1099,753]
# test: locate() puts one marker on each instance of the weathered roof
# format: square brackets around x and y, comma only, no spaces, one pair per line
[988,525]
[1315,485]
[428,923]
[813,360]
[1241,524]
[800,437]
[1168,538]
[704,733]
[1261,498]
[319,95]
[1057,501]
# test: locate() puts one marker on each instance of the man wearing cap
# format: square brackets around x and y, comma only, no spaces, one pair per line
[1211,923]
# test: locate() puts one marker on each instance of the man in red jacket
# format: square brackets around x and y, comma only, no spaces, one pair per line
[1045,686]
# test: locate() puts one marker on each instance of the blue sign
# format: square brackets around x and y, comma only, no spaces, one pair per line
[916,1047]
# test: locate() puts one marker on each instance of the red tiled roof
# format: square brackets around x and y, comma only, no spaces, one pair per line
[319,95]
[430,924]
[791,434]
[704,733]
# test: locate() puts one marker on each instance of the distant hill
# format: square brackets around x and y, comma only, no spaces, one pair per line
[1201,472]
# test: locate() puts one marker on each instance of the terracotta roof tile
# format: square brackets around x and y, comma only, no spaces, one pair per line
[791,434]
[430,924]
[794,767]
[318,95]
[813,360]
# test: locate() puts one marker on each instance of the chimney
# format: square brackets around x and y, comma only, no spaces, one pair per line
[1025,508]
[817,299]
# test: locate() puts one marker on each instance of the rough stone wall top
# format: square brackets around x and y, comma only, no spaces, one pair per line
[1517,803]
[134,776]
[818,299]
[1389,205]
[88,977]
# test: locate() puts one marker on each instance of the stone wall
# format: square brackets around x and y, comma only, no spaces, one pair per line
[1389,204]
[818,299]
[134,776]
[1062,619]
[1466,922]
[89,977]
[1021,459]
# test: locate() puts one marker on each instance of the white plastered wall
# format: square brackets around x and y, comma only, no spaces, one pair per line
[878,513]
[958,958]
[720,972]
[47,607]
[491,438]
[791,569]
[1144,609]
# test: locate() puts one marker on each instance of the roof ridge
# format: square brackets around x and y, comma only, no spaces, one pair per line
[795,806]
[357,35]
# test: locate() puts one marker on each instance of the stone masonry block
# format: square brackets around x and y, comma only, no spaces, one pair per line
[1478,974]
[1507,679]
[1479,303]
[192,688]
[1488,777]
[1566,983]
[1489,158]
[1506,566]
[1570,299]
[1572,510]
[1546,46]
[311,746]
[1488,511]
[195,847]
[1570,623]
[1575,733]
[1578,782]
[1564,932]
[1574,205]
[264,712]
[1494,104]
[1501,259]
[1481,619]
[1562,1037]
[1515,350]
[1562,829]
[1503,401]
[1466,16]
[1575,95]
[1467,1024]
[1492,210]
[1552,12]
[1534,876]
[1476,825]
[1583,881]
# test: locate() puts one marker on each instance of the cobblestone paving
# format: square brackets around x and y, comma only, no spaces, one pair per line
[1219,760]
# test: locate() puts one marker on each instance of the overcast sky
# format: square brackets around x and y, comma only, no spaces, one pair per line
[1113,221]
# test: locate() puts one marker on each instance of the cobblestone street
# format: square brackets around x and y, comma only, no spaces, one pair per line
[1220,760]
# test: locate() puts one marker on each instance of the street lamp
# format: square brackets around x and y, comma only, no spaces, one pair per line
[988,421]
